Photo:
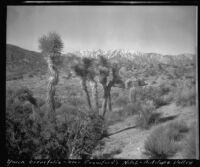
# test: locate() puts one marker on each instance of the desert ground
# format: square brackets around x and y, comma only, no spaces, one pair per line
[167,100]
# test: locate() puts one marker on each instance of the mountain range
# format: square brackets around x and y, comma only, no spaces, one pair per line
[20,61]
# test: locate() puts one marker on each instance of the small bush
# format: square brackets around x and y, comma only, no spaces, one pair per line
[164,89]
[121,101]
[161,101]
[40,101]
[131,108]
[176,130]
[146,117]
[163,141]
[115,95]
[186,97]
[30,75]
[159,146]
[115,116]
[76,101]
[190,144]
[158,96]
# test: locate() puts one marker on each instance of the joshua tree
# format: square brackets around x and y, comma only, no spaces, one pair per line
[51,46]
[109,77]
[85,72]
[93,79]
[95,95]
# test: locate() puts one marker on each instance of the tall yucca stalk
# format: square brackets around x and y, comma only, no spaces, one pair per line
[51,46]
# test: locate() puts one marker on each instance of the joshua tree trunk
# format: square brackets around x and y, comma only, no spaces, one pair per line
[105,101]
[109,103]
[53,80]
[84,86]
[104,106]
[96,96]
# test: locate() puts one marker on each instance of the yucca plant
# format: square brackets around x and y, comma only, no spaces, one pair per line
[86,71]
[108,77]
[51,46]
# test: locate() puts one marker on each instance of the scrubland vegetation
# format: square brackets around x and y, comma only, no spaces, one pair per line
[87,95]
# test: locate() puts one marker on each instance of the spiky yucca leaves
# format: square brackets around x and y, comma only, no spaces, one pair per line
[51,43]
[51,46]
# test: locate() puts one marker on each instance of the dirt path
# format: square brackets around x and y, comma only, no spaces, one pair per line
[127,140]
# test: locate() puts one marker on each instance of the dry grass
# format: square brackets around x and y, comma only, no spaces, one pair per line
[186,96]
[163,142]
[190,144]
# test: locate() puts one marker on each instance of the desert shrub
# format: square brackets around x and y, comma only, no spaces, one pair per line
[161,101]
[30,75]
[41,139]
[115,95]
[131,108]
[164,89]
[115,116]
[14,77]
[162,143]
[18,139]
[174,83]
[159,96]
[137,94]
[76,101]
[190,144]
[121,101]
[146,115]
[177,129]
[159,146]
[58,102]
[154,82]
[186,96]
[40,101]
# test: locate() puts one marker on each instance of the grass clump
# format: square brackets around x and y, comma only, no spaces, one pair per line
[163,142]
[190,144]
[186,97]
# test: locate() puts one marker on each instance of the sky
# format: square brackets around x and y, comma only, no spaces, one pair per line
[160,29]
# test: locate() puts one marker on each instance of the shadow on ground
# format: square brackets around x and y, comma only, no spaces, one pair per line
[165,119]
[121,130]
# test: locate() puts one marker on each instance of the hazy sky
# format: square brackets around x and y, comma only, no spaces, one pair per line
[161,29]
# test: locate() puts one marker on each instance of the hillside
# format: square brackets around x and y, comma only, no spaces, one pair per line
[20,62]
